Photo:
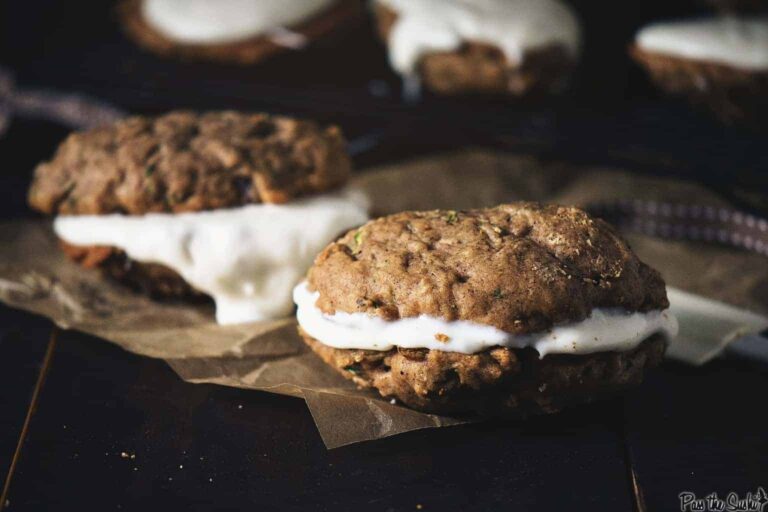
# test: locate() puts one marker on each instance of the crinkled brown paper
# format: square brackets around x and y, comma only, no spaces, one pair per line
[269,356]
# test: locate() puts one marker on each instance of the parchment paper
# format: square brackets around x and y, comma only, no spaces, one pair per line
[269,356]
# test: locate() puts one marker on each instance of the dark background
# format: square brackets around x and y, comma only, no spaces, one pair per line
[611,115]
[201,447]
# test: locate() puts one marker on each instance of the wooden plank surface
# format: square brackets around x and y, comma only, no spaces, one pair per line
[701,430]
[23,342]
[118,431]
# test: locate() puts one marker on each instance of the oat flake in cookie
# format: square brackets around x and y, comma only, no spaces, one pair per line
[229,205]
[233,31]
[721,63]
[484,46]
[518,309]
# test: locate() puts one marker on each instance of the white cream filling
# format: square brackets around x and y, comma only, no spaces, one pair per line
[739,42]
[515,26]
[223,21]
[604,330]
[248,258]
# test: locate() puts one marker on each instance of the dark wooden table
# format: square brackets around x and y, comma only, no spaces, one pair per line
[85,425]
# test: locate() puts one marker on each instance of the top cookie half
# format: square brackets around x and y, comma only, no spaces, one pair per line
[183,161]
[521,267]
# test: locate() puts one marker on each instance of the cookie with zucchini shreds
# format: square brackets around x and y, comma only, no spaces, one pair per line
[185,161]
[518,309]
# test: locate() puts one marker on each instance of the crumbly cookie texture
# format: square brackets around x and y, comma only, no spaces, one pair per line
[246,52]
[520,267]
[481,68]
[153,279]
[732,94]
[500,381]
[184,161]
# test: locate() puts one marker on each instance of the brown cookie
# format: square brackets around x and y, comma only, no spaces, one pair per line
[735,95]
[477,265]
[483,68]
[500,381]
[182,162]
[157,281]
[521,268]
[245,52]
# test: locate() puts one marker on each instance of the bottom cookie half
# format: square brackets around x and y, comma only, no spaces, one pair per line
[157,281]
[496,382]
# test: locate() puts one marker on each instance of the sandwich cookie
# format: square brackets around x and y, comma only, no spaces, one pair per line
[226,205]
[719,62]
[510,47]
[518,309]
[233,31]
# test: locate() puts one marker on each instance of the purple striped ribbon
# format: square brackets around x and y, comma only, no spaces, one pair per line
[680,221]
[72,110]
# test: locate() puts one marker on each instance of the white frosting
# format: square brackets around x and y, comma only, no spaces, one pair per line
[248,258]
[604,330]
[739,42]
[223,21]
[515,26]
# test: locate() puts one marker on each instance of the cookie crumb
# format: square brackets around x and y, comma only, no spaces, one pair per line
[442,338]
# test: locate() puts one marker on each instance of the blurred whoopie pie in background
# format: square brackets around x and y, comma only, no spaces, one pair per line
[232,31]
[229,205]
[719,62]
[512,47]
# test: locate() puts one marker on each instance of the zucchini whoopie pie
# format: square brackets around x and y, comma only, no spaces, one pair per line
[510,47]
[719,62]
[229,205]
[517,309]
[232,31]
